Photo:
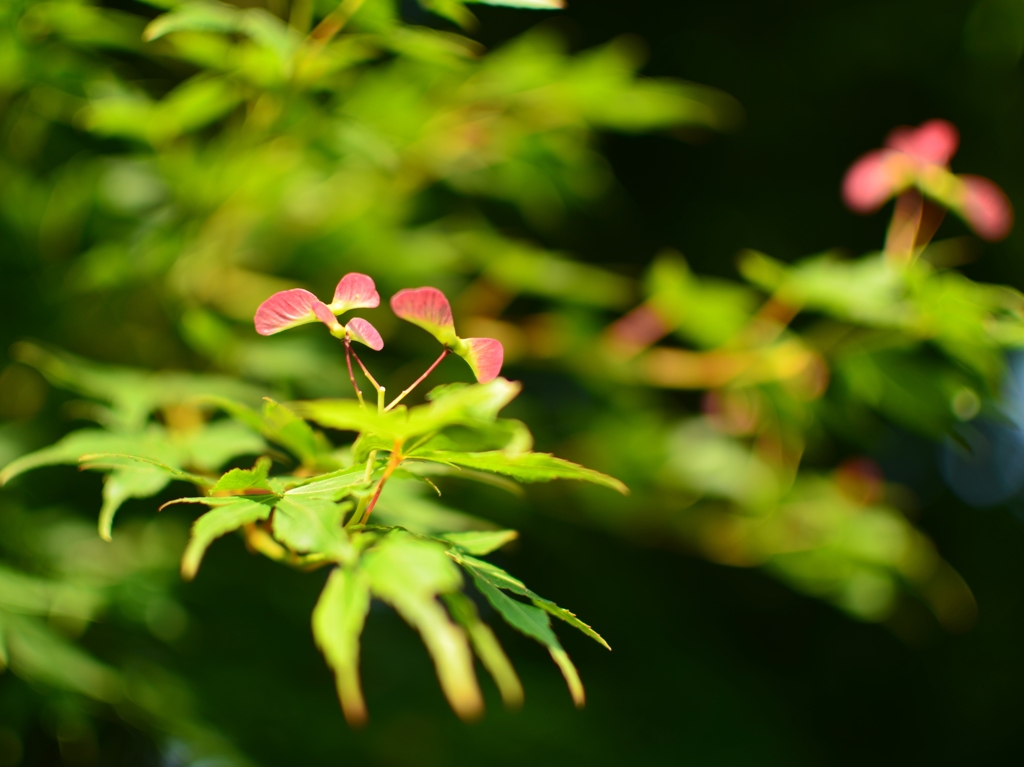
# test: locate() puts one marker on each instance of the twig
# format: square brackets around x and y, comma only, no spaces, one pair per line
[393,461]
[351,374]
[334,22]
[373,382]
[419,380]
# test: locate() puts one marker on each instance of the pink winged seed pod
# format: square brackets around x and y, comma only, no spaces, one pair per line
[428,308]
[919,157]
[290,308]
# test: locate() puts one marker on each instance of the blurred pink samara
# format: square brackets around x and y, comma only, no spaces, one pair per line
[919,157]
[290,308]
[429,308]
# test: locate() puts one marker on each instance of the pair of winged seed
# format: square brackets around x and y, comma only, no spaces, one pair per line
[919,157]
[426,307]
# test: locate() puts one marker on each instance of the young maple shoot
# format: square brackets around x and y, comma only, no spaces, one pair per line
[358,515]
[914,167]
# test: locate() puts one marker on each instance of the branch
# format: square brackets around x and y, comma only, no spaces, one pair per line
[351,374]
[393,462]
[419,380]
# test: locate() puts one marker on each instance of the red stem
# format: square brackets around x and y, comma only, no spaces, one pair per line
[419,380]
[393,461]
[351,373]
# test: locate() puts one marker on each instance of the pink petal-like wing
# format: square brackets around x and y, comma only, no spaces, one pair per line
[286,309]
[935,141]
[325,315]
[355,291]
[876,177]
[428,308]
[986,208]
[362,331]
[484,355]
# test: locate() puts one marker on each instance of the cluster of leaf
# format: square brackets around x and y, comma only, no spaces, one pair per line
[230,154]
[318,514]
[250,148]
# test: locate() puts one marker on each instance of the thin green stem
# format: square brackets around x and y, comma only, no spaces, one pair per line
[361,506]
[358,513]
[419,380]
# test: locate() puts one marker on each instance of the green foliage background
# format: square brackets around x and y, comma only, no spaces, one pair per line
[153,193]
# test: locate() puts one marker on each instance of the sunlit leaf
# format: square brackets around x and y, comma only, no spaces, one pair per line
[452,405]
[214,444]
[499,579]
[453,10]
[366,443]
[572,676]
[307,524]
[284,427]
[403,504]
[337,624]
[481,542]
[534,623]
[502,434]
[408,574]
[195,16]
[263,28]
[349,415]
[329,487]
[525,467]
[90,441]
[217,522]
[461,405]
[245,481]
[487,648]
[530,620]
[122,484]
[279,425]
[424,469]
[140,463]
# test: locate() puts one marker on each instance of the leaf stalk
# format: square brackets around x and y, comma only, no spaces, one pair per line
[393,461]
